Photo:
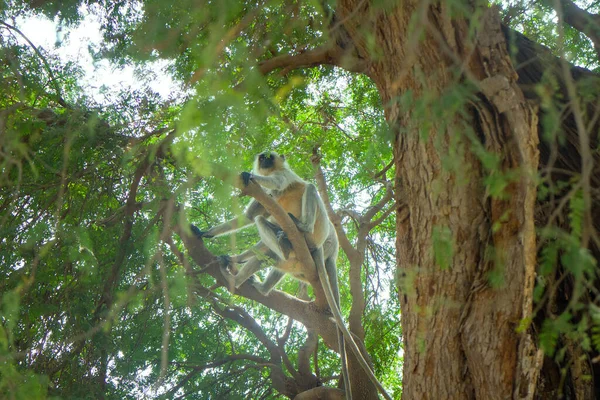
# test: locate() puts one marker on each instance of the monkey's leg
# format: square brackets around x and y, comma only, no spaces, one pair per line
[250,267]
[254,209]
[275,275]
[270,234]
[311,204]
[258,249]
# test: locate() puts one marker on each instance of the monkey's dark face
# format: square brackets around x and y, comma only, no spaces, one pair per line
[269,161]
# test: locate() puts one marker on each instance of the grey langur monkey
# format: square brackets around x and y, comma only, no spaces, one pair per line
[297,198]
[304,205]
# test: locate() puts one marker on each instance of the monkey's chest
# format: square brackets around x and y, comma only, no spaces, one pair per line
[291,199]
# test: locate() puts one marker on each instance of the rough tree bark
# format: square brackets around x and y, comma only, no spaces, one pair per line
[460,334]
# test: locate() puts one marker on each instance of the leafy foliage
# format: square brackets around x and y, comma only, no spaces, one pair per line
[95,297]
[99,299]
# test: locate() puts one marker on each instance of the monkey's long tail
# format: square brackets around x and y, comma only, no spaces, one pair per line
[341,325]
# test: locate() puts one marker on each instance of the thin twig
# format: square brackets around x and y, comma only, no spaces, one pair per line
[59,98]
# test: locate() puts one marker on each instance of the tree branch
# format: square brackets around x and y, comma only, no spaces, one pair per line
[59,98]
[385,214]
[580,19]
[309,58]
[245,320]
[199,368]
[349,213]
[327,54]
[130,208]
[281,346]
[322,393]
[381,174]
[374,209]
[307,313]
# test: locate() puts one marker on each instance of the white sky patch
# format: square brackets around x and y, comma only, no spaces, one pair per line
[72,44]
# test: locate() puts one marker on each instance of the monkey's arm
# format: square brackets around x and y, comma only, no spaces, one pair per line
[254,209]
[275,181]
[311,205]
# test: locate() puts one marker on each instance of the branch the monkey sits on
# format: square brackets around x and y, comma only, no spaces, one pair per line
[305,207]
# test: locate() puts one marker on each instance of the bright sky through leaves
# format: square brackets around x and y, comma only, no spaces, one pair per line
[73,45]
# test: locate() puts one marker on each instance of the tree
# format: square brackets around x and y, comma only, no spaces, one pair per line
[494,146]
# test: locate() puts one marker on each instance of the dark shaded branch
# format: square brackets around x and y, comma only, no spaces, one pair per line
[383,216]
[196,369]
[310,344]
[321,393]
[281,345]
[310,58]
[305,351]
[244,319]
[130,208]
[350,213]
[381,174]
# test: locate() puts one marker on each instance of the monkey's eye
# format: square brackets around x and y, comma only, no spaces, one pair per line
[261,157]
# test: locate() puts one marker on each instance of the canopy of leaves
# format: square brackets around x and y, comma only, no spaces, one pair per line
[99,300]
[95,298]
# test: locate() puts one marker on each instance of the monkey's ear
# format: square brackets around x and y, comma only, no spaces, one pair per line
[283,157]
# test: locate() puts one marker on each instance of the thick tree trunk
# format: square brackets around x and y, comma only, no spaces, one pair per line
[459,322]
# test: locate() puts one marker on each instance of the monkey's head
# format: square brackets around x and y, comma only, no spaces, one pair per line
[268,162]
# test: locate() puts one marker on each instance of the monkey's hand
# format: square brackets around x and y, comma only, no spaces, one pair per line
[246,177]
[198,233]
[224,262]
[284,243]
[302,227]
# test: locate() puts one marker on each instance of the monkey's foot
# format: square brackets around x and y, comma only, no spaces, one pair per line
[198,233]
[229,278]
